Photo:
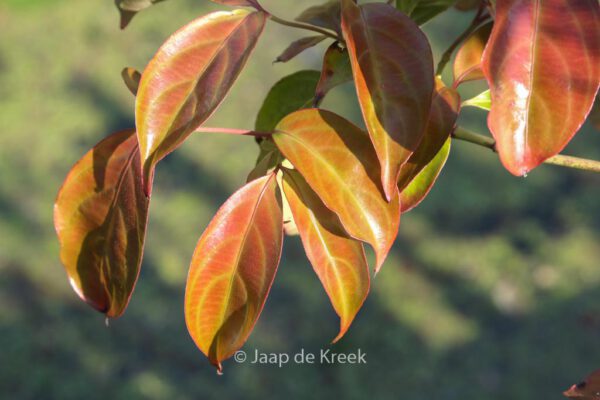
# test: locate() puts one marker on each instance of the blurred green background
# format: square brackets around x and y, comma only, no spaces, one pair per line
[491,291]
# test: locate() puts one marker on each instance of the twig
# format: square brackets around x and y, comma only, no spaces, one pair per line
[302,25]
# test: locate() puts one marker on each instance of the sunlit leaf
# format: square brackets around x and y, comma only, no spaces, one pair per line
[421,184]
[422,11]
[338,162]
[290,94]
[338,260]
[131,78]
[542,65]
[336,71]
[233,268]
[587,389]
[100,217]
[442,118]
[393,74]
[467,64]
[326,15]
[299,46]
[128,9]
[483,100]
[188,78]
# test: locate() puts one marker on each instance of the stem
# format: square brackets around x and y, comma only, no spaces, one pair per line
[228,131]
[561,160]
[479,18]
[302,25]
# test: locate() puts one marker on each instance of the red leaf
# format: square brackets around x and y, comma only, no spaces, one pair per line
[338,260]
[393,73]
[467,64]
[233,268]
[542,64]
[188,78]
[100,217]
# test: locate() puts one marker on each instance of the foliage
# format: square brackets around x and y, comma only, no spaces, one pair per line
[363,179]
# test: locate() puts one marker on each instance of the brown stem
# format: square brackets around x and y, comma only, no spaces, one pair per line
[302,25]
[461,133]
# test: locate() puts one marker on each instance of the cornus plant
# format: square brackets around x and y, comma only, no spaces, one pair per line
[318,175]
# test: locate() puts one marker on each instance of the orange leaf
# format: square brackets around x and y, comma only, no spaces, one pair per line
[587,389]
[338,260]
[338,162]
[100,217]
[393,73]
[233,268]
[467,64]
[542,65]
[188,78]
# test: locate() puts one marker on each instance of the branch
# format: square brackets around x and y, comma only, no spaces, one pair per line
[461,133]
[302,25]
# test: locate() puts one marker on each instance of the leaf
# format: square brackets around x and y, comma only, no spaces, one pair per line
[393,75]
[131,78]
[587,389]
[542,65]
[467,5]
[336,71]
[299,46]
[128,9]
[421,184]
[290,94]
[442,118]
[240,3]
[422,11]
[100,217]
[326,15]
[483,100]
[188,78]
[233,268]
[467,64]
[594,116]
[338,162]
[338,260]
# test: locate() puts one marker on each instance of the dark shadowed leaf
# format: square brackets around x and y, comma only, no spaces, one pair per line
[188,78]
[100,217]
[326,15]
[128,9]
[467,64]
[338,260]
[131,78]
[290,94]
[542,64]
[393,75]
[299,46]
[422,11]
[233,268]
[338,162]
[336,71]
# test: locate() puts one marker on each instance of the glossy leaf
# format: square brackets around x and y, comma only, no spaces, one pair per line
[290,94]
[467,64]
[587,389]
[336,71]
[338,162]
[483,100]
[338,260]
[542,64]
[393,75]
[233,268]
[188,78]
[128,9]
[420,186]
[131,78]
[422,11]
[442,118]
[299,46]
[100,217]
[240,3]
[326,15]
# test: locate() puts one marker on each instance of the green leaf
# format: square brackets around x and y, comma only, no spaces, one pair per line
[290,94]
[422,11]
[483,100]
[336,71]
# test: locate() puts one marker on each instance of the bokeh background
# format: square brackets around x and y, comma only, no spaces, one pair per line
[491,291]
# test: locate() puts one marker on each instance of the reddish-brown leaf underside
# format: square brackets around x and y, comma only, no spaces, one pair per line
[188,78]
[326,16]
[233,268]
[298,46]
[467,63]
[587,389]
[442,118]
[338,260]
[100,217]
[542,64]
[338,162]
[392,66]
